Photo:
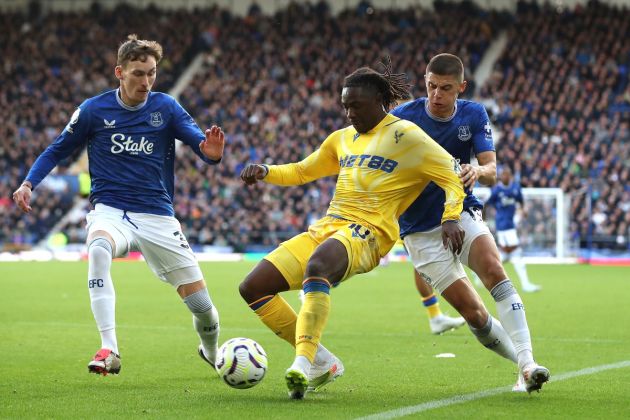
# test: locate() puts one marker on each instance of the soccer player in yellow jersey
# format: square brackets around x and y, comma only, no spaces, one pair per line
[382,163]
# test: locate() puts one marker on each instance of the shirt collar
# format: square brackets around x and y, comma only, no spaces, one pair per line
[127,107]
[436,118]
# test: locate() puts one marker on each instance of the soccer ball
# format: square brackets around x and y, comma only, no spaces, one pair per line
[241,362]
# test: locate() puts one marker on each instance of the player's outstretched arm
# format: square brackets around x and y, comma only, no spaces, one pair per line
[253,172]
[22,197]
[212,146]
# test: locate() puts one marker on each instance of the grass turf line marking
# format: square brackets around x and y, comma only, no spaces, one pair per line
[458,399]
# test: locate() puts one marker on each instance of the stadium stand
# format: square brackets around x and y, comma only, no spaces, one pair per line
[559,98]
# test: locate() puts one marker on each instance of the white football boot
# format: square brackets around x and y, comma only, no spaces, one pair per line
[534,376]
[321,375]
[443,323]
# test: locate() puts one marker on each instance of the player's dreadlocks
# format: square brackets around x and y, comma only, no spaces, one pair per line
[392,86]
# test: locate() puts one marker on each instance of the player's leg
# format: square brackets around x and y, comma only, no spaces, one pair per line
[438,322]
[450,280]
[101,249]
[260,291]
[483,257]
[327,265]
[105,240]
[166,251]
[280,271]
[516,253]
[204,313]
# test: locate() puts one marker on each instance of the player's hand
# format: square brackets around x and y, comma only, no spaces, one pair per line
[212,146]
[253,172]
[453,235]
[469,175]
[22,198]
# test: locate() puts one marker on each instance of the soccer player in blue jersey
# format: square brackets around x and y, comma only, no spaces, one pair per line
[504,198]
[463,128]
[130,134]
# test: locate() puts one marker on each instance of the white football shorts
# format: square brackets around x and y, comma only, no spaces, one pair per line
[507,238]
[159,238]
[439,266]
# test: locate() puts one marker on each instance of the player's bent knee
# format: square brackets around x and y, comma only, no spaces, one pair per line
[477,317]
[100,248]
[245,291]
[494,273]
[101,242]
[316,267]
[188,289]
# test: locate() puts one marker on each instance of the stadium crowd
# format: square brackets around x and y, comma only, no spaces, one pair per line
[559,99]
[51,63]
[561,96]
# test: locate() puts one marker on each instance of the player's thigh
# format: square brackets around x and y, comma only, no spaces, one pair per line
[165,249]
[291,257]
[104,219]
[474,227]
[484,259]
[265,279]
[361,248]
[330,260]
[439,267]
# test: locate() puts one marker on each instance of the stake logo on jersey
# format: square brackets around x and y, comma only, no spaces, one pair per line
[131,150]
[124,143]
[505,200]
[464,134]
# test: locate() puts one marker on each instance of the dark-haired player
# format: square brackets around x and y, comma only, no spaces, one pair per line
[463,129]
[382,163]
[130,134]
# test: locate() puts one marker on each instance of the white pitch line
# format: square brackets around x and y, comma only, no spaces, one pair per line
[458,399]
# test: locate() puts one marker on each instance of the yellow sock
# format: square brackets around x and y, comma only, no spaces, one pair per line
[277,315]
[310,323]
[432,305]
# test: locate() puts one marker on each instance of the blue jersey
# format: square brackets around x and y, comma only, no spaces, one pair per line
[504,198]
[131,150]
[465,133]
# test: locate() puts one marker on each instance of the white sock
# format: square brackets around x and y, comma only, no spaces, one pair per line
[519,267]
[207,326]
[102,294]
[301,363]
[322,355]
[205,321]
[511,312]
[495,338]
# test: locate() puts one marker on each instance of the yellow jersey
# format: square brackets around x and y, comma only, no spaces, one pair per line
[380,173]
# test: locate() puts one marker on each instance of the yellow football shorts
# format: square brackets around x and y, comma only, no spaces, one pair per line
[292,256]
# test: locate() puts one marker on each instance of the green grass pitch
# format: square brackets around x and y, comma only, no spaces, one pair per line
[377,327]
